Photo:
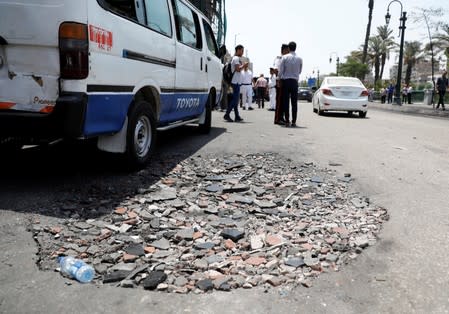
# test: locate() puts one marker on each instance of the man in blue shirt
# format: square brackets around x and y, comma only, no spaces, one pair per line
[289,71]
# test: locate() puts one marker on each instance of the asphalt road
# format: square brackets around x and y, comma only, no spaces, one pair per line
[399,161]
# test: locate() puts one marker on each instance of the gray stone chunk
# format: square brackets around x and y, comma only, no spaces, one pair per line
[204,246]
[135,249]
[153,279]
[162,244]
[233,234]
[295,262]
[205,285]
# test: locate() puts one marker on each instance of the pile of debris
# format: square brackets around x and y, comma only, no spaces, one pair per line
[239,221]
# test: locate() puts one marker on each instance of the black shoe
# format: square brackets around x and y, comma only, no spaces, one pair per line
[287,124]
[244,108]
[250,108]
[238,119]
[281,122]
[227,118]
[293,125]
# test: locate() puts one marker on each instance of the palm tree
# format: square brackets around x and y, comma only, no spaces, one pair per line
[441,42]
[368,30]
[412,54]
[388,44]
[375,49]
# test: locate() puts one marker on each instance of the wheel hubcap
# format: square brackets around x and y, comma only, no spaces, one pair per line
[142,136]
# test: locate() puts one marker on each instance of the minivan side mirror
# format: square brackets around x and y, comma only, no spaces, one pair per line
[221,51]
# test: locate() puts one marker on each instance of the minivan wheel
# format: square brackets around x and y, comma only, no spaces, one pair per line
[141,134]
[320,112]
[204,128]
[362,114]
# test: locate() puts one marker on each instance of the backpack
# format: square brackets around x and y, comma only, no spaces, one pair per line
[227,73]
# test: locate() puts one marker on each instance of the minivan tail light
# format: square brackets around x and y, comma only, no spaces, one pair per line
[364,93]
[327,92]
[73,51]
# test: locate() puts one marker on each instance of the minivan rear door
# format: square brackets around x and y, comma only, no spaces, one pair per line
[29,56]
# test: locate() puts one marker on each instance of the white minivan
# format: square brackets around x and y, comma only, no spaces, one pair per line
[114,70]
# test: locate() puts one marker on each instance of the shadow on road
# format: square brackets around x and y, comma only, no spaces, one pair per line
[343,115]
[72,176]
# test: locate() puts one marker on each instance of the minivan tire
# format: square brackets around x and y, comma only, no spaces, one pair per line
[141,134]
[204,128]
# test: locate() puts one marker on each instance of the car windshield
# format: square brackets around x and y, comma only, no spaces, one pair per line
[344,81]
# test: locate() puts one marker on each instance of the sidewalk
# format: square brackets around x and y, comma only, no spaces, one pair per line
[415,109]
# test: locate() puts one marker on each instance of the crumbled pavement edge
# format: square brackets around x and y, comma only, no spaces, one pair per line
[208,223]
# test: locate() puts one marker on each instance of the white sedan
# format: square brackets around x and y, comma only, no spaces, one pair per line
[340,93]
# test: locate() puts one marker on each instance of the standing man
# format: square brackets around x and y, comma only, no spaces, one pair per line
[442,85]
[246,89]
[279,114]
[289,71]
[236,68]
[272,89]
[409,94]
[390,92]
[261,85]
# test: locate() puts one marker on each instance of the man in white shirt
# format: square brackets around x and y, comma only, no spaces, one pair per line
[289,70]
[246,88]
[279,114]
[261,86]
[236,67]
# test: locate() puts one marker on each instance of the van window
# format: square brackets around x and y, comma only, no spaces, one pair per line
[158,16]
[187,25]
[210,38]
[125,8]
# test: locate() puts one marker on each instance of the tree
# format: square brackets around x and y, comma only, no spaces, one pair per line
[353,67]
[426,15]
[375,49]
[441,41]
[368,30]
[388,44]
[412,54]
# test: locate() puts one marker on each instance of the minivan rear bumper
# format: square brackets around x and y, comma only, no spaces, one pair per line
[66,120]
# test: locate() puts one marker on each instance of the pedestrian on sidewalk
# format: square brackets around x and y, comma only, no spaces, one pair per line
[390,92]
[272,89]
[261,85]
[246,89]
[279,114]
[404,94]
[289,71]
[236,68]
[383,95]
[442,86]
[409,94]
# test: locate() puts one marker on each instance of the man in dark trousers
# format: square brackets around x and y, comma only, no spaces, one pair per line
[279,114]
[236,67]
[442,85]
[289,71]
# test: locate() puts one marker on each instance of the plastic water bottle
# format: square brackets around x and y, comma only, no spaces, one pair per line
[76,268]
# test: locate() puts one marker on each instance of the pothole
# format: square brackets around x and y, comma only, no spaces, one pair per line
[239,221]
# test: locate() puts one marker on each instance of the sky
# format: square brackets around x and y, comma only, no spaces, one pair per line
[320,28]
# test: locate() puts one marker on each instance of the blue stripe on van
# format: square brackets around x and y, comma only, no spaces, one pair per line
[106,113]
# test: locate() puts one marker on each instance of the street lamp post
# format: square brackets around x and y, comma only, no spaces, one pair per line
[338,60]
[402,19]
[318,76]
[235,39]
